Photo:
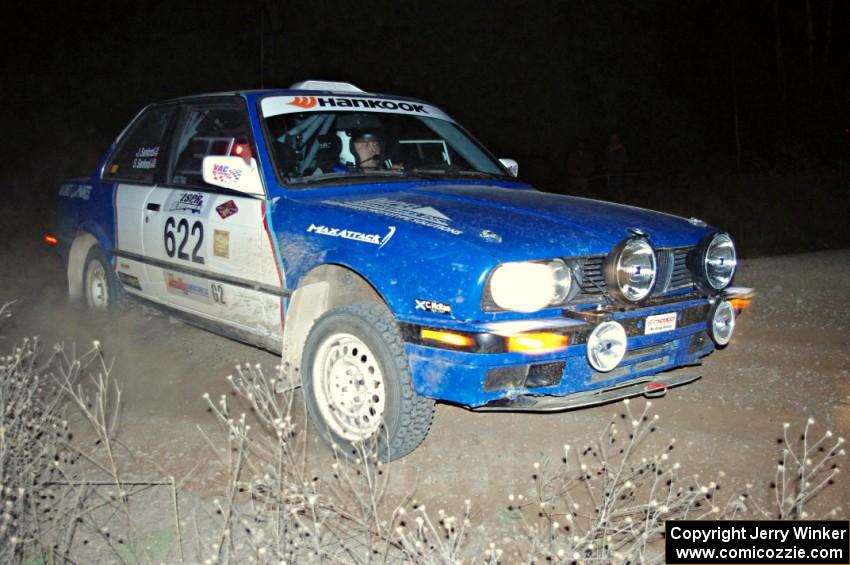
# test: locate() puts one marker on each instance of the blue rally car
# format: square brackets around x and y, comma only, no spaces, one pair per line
[391,259]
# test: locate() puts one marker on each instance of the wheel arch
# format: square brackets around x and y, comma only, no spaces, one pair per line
[324,287]
[77,263]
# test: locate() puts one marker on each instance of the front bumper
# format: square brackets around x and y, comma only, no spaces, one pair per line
[484,374]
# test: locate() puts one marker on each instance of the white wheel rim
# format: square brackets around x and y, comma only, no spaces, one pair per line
[349,387]
[98,291]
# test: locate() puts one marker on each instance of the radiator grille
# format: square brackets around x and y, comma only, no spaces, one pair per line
[673,274]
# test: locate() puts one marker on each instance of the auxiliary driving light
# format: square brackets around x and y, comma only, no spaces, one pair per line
[630,270]
[606,346]
[722,322]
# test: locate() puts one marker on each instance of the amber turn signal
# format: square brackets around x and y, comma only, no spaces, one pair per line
[449,338]
[740,304]
[537,342]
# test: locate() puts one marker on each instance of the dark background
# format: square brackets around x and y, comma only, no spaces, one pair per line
[736,112]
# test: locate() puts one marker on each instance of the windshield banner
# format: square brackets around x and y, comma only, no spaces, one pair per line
[276,105]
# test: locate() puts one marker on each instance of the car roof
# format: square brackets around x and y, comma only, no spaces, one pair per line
[314,87]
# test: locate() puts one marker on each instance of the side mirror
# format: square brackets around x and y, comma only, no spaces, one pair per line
[511,165]
[233,173]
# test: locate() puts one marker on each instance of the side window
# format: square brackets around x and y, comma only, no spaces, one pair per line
[141,151]
[209,131]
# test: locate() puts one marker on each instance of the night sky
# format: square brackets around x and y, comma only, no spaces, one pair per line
[711,99]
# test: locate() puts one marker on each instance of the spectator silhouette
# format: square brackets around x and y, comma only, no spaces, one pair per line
[615,161]
[580,166]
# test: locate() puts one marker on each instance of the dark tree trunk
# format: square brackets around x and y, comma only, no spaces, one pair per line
[811,43]
[828,38]
[780,57]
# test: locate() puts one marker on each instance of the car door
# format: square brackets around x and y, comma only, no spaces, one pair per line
[135,166]
[208,251]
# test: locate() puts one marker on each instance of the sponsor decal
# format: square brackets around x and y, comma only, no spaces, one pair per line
[226,173]
[227,209]
[372,238]
[218,293]
[660,323]
[145,157]
[422,215]
[303,101]
[81,191]
[129,280]
[187,287]
[433,306]
[308,102]
[189,202]
[221,243]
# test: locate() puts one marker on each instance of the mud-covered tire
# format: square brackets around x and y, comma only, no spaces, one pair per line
[354,371]
[101,289]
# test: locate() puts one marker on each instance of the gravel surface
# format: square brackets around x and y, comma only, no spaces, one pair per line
[787,362]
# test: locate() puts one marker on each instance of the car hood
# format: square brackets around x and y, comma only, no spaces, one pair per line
[523,223]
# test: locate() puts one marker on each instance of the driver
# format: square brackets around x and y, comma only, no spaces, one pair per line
[368,149]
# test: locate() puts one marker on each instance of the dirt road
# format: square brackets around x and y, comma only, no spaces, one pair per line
[789,361]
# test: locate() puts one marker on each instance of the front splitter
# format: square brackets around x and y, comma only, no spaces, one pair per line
[652,386]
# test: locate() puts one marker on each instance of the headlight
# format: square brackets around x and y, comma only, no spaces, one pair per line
[719,261]
[630,270]
[562,277]
[529,287]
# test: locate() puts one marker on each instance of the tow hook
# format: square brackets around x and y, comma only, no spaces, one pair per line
[654,390]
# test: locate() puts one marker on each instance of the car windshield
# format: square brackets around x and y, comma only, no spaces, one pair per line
[315,146]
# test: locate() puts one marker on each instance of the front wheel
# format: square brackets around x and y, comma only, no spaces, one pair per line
[357,382]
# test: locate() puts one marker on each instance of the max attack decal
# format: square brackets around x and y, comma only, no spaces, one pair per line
[221,243]
[81,191]
[433,306]
[227,209]
[355,235]
[422,215]
[189,202]
[308,102]
[179,285]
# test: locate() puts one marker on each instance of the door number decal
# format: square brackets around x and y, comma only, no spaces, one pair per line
[218,293]
[182,230]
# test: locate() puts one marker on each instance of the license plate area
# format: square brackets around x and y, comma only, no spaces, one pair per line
[660,323]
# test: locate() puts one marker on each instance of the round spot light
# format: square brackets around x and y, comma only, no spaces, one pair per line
[606,346]
[630,270]
[722,322]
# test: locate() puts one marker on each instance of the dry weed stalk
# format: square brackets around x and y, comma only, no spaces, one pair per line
[58,492]
[802,472]
[607,503]
[34,429]
[285,513]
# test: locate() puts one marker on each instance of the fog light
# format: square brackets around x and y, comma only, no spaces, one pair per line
[606,346]
[722,322]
